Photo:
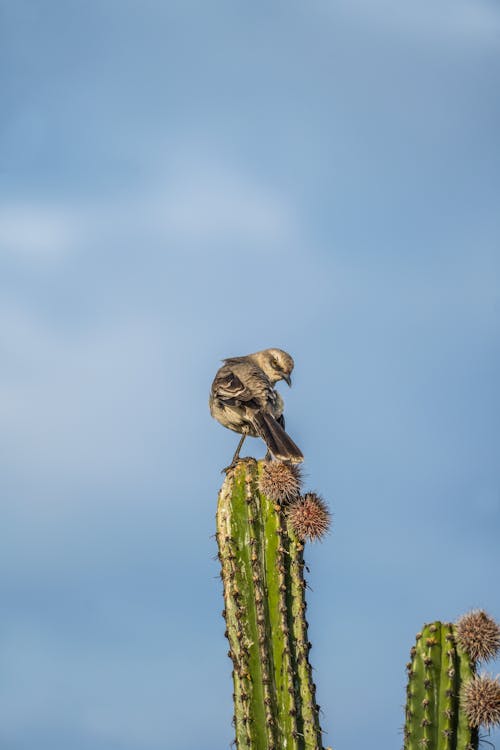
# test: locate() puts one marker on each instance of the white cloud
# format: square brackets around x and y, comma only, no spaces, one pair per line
[213,204]
[199,206]
[36,232]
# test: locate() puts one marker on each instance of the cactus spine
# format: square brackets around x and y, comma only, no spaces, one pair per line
[435,719]
[262,571]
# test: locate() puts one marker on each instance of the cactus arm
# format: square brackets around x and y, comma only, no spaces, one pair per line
[467,736]
[237,626]
[275,551]
[447,714]
[309,719]
[415,695]
[420,693]
[435,719]
[258,607]
[431,690]
[433,674]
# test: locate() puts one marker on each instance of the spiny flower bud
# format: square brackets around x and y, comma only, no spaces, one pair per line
[478,634]
[279,481]
[481,701]
[309,516]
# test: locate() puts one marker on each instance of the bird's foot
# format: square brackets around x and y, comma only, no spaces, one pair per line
[231,466]
[234,463]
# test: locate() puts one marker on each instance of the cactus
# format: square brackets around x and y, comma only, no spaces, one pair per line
[434,717]
[262,523]
[264,593]
[446,700]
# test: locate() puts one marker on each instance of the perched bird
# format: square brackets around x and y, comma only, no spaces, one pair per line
[243,399]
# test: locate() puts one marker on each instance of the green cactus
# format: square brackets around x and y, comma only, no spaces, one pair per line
[447,701]
[262,571]
[262,521]
[435,717]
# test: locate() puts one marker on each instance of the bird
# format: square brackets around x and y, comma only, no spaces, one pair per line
[243,399]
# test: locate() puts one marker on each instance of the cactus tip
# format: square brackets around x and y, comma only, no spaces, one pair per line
[309,517]
[478,635]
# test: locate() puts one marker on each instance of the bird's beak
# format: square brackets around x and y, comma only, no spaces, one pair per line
[288,380]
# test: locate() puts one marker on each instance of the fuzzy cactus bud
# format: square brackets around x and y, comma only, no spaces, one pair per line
[481,699]
[309,517]
[280,482]
[479,635]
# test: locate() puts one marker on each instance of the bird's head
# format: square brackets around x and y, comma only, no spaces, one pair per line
[276,364]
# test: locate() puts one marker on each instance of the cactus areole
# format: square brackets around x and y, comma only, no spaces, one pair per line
[264,593]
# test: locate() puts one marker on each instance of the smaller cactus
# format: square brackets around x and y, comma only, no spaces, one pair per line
[446,700]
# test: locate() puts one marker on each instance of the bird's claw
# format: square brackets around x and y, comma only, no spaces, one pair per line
[234,463]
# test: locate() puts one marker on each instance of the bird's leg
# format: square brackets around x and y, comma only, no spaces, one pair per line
[237,451]
[236,454]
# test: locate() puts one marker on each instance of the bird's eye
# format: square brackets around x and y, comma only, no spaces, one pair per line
[275,364]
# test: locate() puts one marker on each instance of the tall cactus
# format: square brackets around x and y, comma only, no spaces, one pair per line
[264,593]
[446,700]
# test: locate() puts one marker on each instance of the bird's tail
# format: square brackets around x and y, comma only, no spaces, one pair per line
[272,433]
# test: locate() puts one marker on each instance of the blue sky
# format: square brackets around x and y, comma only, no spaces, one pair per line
[181,182]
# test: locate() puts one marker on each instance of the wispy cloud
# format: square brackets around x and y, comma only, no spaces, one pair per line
[197,206]
[36,231]
[206,203]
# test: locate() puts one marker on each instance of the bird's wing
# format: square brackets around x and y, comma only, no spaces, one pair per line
[241,384]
